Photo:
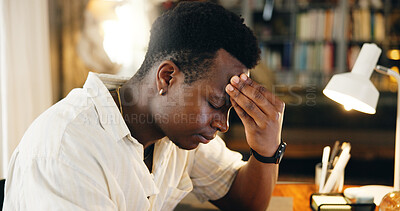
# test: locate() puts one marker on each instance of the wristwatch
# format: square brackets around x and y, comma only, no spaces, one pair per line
[274,159]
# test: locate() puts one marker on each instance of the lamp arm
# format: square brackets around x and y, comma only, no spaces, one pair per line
[390,72]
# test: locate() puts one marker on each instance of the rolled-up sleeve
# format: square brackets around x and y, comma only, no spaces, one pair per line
[214,169]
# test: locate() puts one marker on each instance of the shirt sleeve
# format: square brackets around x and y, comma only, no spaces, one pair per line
[214,169]
[49,184]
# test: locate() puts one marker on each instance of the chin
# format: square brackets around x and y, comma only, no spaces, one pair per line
[187,147]
[188,144]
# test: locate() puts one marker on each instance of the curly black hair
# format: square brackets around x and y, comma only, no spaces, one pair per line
[192,33]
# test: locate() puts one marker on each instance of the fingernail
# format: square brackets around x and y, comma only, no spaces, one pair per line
[235,79]
[229,88]
[243,77]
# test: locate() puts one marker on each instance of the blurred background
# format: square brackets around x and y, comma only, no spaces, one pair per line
[48,47]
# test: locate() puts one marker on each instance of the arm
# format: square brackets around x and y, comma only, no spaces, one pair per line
[262,115]
[48,184]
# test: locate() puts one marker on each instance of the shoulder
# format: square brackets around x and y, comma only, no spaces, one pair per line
[44,136]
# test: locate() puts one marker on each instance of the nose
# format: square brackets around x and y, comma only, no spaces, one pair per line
[220,121]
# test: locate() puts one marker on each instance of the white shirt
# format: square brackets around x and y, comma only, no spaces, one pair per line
[79,155]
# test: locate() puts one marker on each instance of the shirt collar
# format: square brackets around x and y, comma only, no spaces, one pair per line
[97,87]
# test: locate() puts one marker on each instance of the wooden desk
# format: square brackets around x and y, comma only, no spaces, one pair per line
[299,192]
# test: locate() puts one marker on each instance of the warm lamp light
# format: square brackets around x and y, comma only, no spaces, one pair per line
[355,90]
[394,54]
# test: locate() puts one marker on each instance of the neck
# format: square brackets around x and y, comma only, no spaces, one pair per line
[135,100]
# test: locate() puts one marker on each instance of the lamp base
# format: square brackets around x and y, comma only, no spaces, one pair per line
[377,191]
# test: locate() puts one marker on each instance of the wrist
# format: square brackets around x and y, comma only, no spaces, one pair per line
[276,158]
[267,150]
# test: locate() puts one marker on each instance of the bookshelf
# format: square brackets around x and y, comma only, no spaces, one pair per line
[303,45]
[378,22]
[307,41]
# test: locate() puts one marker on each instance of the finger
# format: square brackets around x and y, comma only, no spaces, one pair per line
[255,95]
[274,111]
[247,106]
[273,99]
[246,119]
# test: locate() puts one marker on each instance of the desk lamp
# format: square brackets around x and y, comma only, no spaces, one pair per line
[355,91]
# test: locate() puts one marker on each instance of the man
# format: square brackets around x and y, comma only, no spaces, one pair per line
[144,143]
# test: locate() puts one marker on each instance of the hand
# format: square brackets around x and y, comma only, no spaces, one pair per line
[260,111]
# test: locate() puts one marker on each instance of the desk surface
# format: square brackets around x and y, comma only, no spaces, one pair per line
[299,192]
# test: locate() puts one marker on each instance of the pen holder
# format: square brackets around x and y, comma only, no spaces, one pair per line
[338,187]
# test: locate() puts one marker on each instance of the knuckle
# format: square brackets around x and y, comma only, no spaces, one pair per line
[241,86]
[262,89]
[280,104]
[236,94]
[241,114]
[258,96]
[263,125]
[250,106]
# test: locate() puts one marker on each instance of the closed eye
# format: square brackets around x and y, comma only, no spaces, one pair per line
[214,106]
[219,102]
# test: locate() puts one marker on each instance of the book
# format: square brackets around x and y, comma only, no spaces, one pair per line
[379,27]
[316,24]
[330,202]
[365,24]
[287,55]
[314,57]
[352,55]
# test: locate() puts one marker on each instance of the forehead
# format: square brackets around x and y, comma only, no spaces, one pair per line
[226,63]
[224,68]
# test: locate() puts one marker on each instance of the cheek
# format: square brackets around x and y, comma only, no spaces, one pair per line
[204,116]
[191,118]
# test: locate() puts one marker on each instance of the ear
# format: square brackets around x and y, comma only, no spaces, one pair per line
[167,75]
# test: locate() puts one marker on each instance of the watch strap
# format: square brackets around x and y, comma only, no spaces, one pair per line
[274,159]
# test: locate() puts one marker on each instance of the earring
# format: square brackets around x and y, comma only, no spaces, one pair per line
[161,92]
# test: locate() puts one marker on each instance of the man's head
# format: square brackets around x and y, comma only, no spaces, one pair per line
[193,52]
[192,33]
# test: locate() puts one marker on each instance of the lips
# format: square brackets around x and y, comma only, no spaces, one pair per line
[205,139]
[208,137]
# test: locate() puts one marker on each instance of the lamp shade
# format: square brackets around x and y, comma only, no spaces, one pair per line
[354,90]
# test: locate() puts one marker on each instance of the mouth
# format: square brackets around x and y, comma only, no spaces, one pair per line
[205,139]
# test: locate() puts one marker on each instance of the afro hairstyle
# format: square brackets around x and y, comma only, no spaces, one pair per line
[190,35]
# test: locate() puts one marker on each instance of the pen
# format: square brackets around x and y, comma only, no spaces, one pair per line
[343,146]
[337,170]
[325,160]
[334,152]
